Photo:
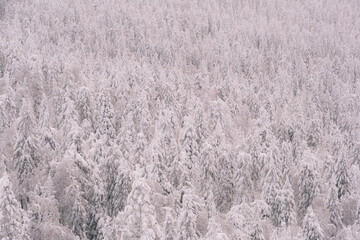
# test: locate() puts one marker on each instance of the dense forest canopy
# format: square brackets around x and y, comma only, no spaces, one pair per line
[180,120]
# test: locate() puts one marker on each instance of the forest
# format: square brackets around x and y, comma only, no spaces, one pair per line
[180,120]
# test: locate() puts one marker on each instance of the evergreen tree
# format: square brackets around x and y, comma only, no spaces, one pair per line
[307,184]
[333,205]
[140,146]
[311,229]
[188,143]
[216,116]
[285,205]
[140,214]
[208,168]
[256,234]
[127,136]
[199,124]
[142,116]
[168,229]
[13,219]
[118,185]
[104,114]
[45,214]
[270,189]
[96,213]
[313,134]
[225,189]
[355,154]
[214,231]
[73,210]
[342,176]
[26,156]
[83,104]
[187,221]
[47,138]
[8,108]
[243,186]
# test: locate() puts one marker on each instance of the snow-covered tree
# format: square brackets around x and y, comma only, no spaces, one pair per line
[243,185]
[117,183]
[187,221]
[8,108]
[306,184]
[96,214]
[168,227]
[13,220]
[285,206]
[140,219]
[342,176]
[313,134]
[311,229]
[73,209]
[214,231]
[26,157]
[334,207]
[84,106]
[257,234]
[271,187]
[104,113]
[188,143]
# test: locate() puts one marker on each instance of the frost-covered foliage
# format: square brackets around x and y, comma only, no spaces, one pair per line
[213,119]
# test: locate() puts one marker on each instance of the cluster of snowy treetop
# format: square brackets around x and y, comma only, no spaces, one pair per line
[183,120]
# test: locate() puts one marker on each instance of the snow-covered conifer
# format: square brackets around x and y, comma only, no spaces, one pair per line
[311,229]
[13,219]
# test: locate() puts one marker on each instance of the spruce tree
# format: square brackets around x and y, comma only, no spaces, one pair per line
[26,156]
[311,229]
[334,207]
[342,177]
[306,184]
[13,219]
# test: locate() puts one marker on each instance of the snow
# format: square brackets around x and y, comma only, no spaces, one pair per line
[214,119]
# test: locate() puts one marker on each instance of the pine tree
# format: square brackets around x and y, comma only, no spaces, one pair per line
[199,124]
[214,231]
[342,176]
[225,191]
[26,156]
[188,143]
[73,210]
[307,185]
[168,229]
[96,213]
[45,214]
[47,139]
[333,205]
[140,214]
[257,234]
[270,189]
[311,229]
[83,104]
[118,187]
[243,185]
[187,221]
[8,108]
[142,116]
[104,114]
[208,168]
[13,219]
[285,205]
[165,136]
[355,154]
[313,134]
[140,146]
[216,116]
[127,136]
